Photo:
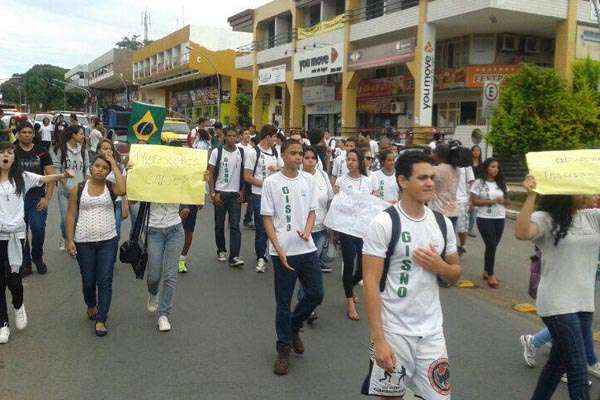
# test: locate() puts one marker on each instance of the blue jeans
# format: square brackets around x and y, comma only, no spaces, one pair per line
[543,337]
[36,223]
[97,263]
[232,207]
[320,238]
[352,259]
[164,248]
[311,278]
[568,333]
[260,236]
[62,196]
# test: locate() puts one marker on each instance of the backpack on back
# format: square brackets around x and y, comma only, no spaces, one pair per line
[218,166]
[396,232]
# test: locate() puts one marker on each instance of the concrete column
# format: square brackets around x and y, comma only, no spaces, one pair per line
[349,78]
[566,43]
[233,92]
[296,112]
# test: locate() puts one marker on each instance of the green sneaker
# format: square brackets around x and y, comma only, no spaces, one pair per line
[182,266]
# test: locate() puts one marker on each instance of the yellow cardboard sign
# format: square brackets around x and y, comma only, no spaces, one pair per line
[566,172]
[164,174]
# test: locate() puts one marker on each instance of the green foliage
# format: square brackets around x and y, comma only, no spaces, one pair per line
[243,103]
[538,113]
[586,74]
[132,43]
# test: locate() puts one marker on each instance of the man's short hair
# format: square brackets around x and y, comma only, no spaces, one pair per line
[408,158]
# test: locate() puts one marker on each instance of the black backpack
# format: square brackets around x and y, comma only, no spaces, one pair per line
[218,166]
[396,231]
[459,155]
[131,252]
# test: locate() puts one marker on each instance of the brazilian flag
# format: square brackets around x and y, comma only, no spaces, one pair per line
[146,123]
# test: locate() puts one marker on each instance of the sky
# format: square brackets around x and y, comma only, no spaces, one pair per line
[71,32]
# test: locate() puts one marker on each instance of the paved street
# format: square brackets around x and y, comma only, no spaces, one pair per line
[222,342]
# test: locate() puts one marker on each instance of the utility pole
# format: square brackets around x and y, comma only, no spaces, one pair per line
[146,23]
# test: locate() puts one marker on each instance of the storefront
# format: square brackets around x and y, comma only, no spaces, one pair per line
[320,71]
[271,82]
[198,98]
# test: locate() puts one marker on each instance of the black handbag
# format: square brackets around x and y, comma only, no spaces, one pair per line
[131,252]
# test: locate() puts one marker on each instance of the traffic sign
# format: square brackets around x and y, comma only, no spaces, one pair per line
[491,95]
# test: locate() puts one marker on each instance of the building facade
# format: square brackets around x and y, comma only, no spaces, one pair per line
[348,65]
[111,80]
[185,70]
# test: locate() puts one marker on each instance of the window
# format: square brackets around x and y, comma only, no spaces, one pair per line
[374,8]
[340,6]
[314,15]
[468,113]
[453,53]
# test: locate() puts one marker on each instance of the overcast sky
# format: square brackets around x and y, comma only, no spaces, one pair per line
[71,32]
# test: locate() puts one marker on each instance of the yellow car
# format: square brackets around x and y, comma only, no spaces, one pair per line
[175,131]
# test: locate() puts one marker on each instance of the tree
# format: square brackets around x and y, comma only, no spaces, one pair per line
[130,43]
[243,103]
[537,112]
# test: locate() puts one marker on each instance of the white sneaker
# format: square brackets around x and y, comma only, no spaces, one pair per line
[163,324]
[261,265]
[564,379]
[61,244]
[595,369]
[21,318]
[236,262]
[529,350]
[221,256]
[4,334]
[152,305]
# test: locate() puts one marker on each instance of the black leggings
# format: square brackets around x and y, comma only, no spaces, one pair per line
[351,255]
[491,230]
[13,281]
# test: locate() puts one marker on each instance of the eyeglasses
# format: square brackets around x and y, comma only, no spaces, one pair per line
[369,158]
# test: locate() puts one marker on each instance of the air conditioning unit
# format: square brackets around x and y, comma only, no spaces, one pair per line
[398,107]
[509,42]
[533,45]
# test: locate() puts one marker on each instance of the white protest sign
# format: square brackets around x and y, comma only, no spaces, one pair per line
[352,214]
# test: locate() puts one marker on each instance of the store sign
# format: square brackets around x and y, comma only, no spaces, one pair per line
[318,94]
[324,108]
[381,55]
[385,87]
[321,61]
[478,75]
[271,76]
[425,97]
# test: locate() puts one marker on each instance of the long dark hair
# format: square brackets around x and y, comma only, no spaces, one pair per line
[69,132]
[15,174]
[560,208]
[116,155]
[500,181]
[361,159]
[478,158]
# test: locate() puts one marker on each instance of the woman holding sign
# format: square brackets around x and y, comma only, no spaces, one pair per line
[355,181]
[568,235]
[490,198]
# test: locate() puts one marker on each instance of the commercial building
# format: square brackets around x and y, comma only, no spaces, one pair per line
[111,80]
[185,70]
[348,65]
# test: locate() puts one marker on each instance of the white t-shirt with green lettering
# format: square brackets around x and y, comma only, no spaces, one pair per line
[410,303]
[289,201]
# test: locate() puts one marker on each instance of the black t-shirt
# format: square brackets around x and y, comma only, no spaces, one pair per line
[34,160]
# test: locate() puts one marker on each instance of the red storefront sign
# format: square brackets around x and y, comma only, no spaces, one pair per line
[478,74]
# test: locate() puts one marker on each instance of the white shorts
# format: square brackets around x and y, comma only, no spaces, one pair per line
[462,226]
[421,362]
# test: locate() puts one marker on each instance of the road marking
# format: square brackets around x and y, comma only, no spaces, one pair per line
[465,284]
[524,308]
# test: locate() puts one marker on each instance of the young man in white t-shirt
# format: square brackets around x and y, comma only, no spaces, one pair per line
[466,177]
[288,207]
[404,311]
[225,169]
[261,162]
[340,168]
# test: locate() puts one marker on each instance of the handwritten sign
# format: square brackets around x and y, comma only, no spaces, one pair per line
[566,172]
[352,214]
[163,174]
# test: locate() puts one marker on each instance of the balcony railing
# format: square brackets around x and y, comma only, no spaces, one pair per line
[329,25]
[380,8]
[270,42]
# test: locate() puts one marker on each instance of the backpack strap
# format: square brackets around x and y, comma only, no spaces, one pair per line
[257,149]
[396,229]
[241,169]
[218,164]
[109,186]
[441,221]
[80,187]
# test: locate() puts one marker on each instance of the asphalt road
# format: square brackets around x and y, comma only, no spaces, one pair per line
[222,342]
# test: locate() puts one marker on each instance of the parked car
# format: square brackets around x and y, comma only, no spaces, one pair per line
[175,131]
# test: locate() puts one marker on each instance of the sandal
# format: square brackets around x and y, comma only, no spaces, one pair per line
[102,331]
[493,282]
[91,313]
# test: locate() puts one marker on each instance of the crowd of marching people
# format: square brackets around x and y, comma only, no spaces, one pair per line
[281,186]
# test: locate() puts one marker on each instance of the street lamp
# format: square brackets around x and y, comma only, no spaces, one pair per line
[218,81]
